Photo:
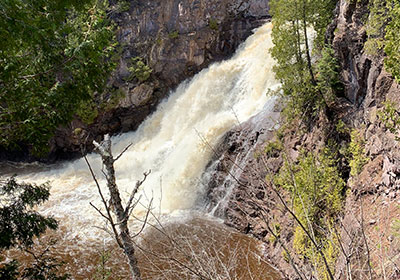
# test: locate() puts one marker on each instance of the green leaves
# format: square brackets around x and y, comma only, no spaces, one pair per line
[356,152]
[59,55]
[316,191]
[19,223]
[139,70]
[383,29]
[328,73]
[294,24]
[389,116]
[392,46]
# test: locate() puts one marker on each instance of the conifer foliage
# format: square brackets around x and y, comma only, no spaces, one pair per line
[20,224]
[298,33]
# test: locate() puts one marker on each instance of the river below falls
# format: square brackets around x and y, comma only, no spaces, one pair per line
[181,240]
[192,248]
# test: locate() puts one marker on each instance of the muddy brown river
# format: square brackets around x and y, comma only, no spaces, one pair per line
[174,143]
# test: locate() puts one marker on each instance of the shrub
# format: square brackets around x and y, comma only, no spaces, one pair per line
[375,27]
[54,56]
[341,127]
[116,96]
[20,228]
[389,116]
[276,227]
[273,147]
[328,73]
[87,111]
[173,34]
[213,24]
[316,190]
[139,70]
[356,152]
[392,46]
[383,27]
[122,6]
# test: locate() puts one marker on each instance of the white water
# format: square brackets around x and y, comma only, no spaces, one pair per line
[168,142]
[257,123]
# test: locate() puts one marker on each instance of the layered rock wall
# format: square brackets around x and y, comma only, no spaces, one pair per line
[371,210]
[176,39]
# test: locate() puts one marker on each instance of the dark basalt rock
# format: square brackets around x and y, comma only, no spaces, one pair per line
[176,39]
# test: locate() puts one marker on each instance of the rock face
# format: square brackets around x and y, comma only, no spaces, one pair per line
[371,209]
[236,155]
[368,85]
[375,191]
[238,188]
[176,39]
[363,75]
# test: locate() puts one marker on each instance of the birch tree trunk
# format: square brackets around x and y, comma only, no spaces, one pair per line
[121,213]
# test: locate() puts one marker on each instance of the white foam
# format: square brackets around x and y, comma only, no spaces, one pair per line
[168,142]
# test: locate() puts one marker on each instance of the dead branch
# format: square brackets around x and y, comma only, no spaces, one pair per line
[134,192]
[122,235]
[106,206]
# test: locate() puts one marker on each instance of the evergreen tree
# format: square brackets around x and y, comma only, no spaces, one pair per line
[392,39]
[20,224]
[297,26]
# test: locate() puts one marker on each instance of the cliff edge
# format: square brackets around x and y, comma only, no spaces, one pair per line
[360,119]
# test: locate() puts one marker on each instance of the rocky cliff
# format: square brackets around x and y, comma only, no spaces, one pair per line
[370,221]
[175,39]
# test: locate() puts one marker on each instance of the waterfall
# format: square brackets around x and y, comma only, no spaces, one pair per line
[174,142]
[257,130]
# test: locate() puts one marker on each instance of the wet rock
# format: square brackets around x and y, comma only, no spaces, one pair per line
[139,96]
[177,40]
[239,152]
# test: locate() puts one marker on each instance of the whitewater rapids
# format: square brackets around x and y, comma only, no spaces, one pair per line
[174,142]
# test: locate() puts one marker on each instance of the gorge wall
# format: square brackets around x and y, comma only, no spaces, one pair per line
[371,211]
[176,39]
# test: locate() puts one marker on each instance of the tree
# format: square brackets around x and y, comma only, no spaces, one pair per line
[392,48]
[120,226]
[54,56]
[20,224]
[383,27]
[294,24]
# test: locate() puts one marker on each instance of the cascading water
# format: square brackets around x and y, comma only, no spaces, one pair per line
[173,143]
[257,130]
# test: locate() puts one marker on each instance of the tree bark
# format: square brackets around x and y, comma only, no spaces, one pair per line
[309,64]
[104,149]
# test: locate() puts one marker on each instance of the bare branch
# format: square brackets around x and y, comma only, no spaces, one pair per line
[104,147]
[126,148]
[105,229]
[144,223]
[237,119]
[134,192]
[110,219]
[99,211]
[123,238]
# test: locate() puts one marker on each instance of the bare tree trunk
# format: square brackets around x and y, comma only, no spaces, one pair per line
[308,55]
[104,149]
